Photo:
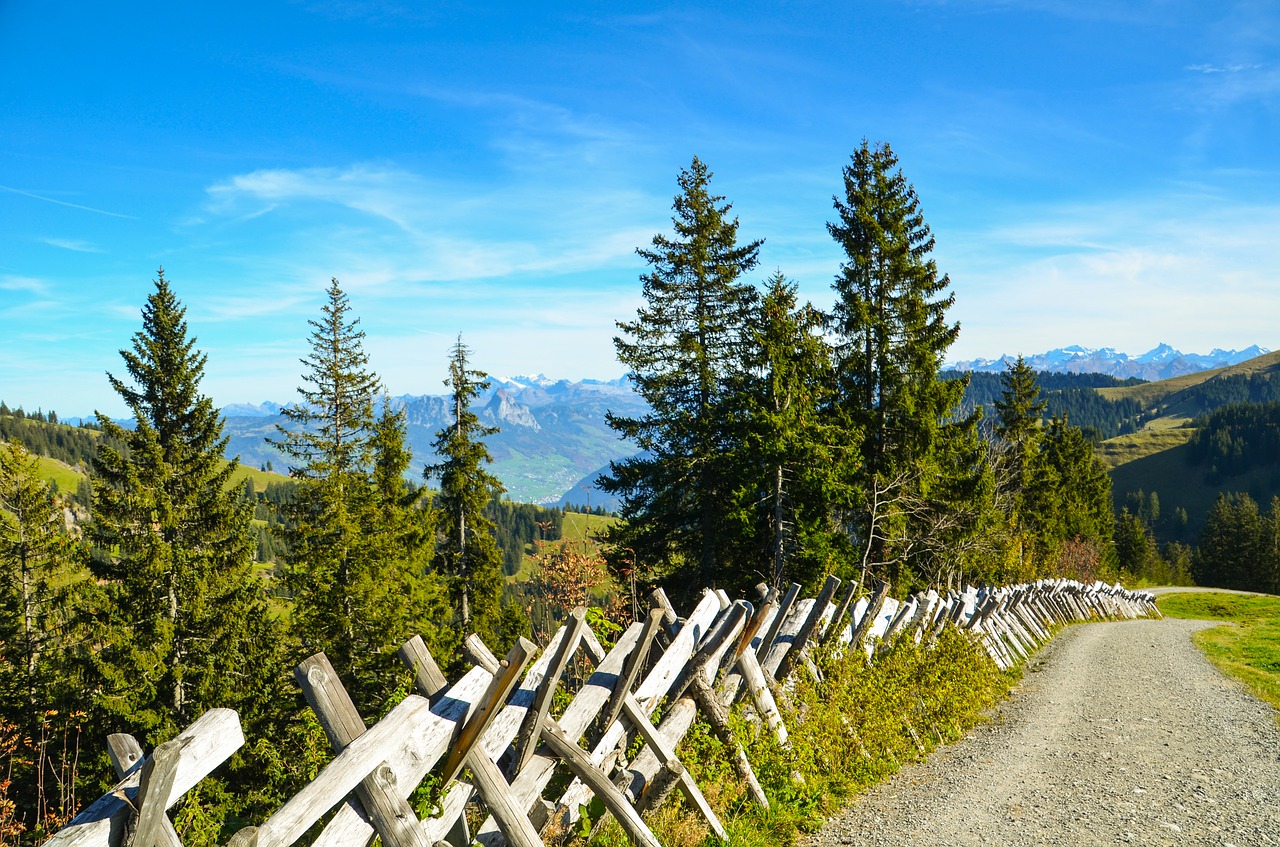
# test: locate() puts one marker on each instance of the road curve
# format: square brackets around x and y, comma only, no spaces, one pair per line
[1118,733]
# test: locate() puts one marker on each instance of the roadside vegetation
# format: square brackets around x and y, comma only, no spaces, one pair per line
[1247,647]
[861,723]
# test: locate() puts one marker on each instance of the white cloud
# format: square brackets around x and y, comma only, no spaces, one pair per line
[403,227]
[72,244]
[1188,270]
[31,285]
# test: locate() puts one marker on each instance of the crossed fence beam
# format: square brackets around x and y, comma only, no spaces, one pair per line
[721,653]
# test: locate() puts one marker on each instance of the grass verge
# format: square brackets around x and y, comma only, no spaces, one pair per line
[1248,647]
[848,731]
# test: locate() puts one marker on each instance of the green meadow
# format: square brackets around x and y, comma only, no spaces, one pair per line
[1246,646]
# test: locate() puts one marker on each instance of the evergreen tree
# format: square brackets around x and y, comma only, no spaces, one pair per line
[1234,545]
[783,462]
[1068,494]
[40,567]
[920,462]
[687,352]
[1017,437]
[1019,412]
[1136,552]
[353,561]
[466,552]
[172,543]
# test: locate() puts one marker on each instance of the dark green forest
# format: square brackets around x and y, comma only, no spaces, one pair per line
[1067,395]
[782,443]
[1236,438]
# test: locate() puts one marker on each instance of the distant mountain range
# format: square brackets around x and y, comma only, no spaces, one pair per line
[552,441]
[1161,362]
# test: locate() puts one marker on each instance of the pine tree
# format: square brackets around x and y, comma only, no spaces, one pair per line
[353,562]
[920,468]
[783,461]
[1068,494]
[1233,545]
[1018,436]
[1019,409]
[687,352]
[172,543]
[466,552]
[40,569]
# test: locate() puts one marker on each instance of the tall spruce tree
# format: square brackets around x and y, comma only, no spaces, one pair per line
[919,466]
[466,552]
[353,559]
[687,353]
[1019,412]
[784,462]
[171,543]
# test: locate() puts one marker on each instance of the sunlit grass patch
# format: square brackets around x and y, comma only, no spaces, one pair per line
[1248,648]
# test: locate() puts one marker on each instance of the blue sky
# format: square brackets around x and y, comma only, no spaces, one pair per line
[1095,171]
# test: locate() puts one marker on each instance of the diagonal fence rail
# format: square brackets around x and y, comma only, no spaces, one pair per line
[721,653]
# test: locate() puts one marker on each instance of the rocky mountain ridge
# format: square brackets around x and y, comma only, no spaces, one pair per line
[552,434]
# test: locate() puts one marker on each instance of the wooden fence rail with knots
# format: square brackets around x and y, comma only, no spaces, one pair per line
[495,722]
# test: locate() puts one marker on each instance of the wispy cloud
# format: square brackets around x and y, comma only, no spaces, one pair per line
[72,244]
[1223,69]
[405,225]
[55,201]
[31,285]
[1124,273]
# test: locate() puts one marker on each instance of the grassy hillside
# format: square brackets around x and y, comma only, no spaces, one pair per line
[260,478]
[1156,458]
[580,531]
[66,478]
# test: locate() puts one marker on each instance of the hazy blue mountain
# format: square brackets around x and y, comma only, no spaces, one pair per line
[552,432]
[1160,362]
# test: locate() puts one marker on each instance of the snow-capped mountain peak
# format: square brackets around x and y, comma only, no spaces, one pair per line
[1160,362]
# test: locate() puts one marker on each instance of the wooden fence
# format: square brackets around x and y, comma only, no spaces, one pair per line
[497,713]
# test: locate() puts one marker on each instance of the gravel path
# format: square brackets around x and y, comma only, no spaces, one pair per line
[1119,733]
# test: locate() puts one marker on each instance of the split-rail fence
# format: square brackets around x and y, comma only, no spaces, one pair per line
[495,720]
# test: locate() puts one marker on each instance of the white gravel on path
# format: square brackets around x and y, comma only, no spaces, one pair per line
[1118,733]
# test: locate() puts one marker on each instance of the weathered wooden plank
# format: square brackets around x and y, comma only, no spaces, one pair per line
[786,635]
[862,630]
[779,618]
[410,730]
[428,678]
[210,741]
[584,769]
[424,741]
[651,690]
[581,711]
[662,746]
[126,754]
[527,737]
[808,627]
[837,620]
[513,822]
[493,701]
[155,784]
[635,663]
[709,651]
[762,695]
[660,787]
[386,807]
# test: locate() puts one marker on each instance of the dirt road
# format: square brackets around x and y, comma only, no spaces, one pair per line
[1119,733]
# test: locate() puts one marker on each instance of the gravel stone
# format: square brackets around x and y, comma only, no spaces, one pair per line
[1118,733]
